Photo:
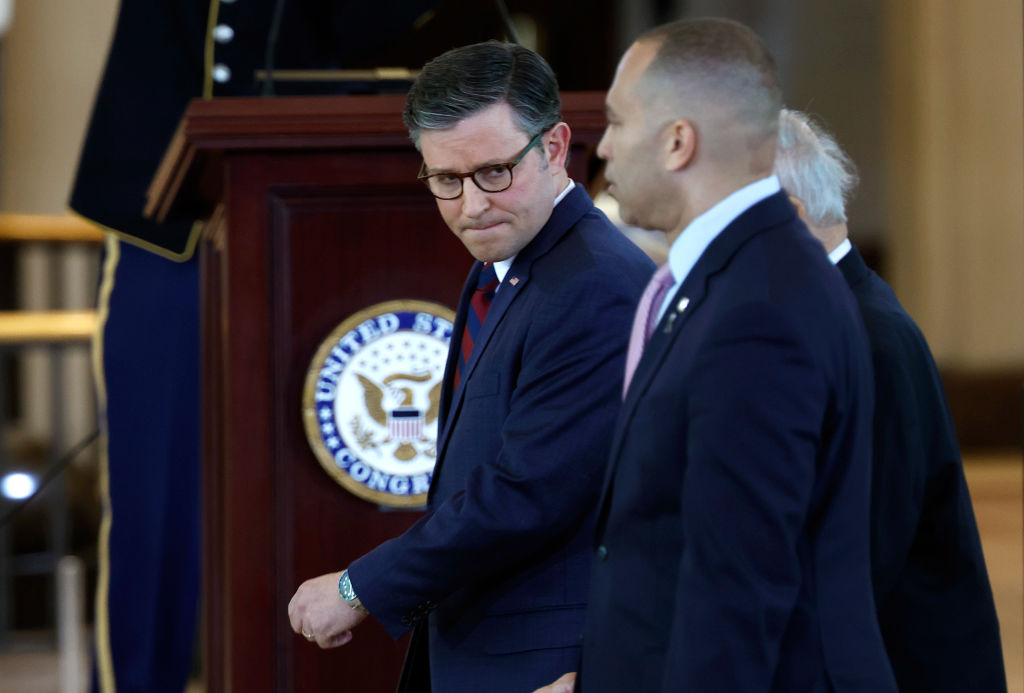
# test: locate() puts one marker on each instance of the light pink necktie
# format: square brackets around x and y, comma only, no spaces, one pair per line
[646,318]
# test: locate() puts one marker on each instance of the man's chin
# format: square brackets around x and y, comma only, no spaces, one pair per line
[627,216]
[630,219]
[486,253]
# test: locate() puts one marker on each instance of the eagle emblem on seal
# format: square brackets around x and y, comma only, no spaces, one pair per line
[392,406]
[373,396]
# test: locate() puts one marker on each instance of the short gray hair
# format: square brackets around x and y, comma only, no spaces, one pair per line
[812,167]
[459,83]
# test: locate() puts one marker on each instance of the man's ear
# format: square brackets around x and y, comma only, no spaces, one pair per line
[680,145]
[556,145]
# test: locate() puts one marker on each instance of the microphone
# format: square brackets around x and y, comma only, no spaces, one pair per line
[510,29]
[271,49]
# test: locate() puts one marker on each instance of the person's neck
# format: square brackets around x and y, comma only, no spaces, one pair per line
[561,182]
[712,191]
[831,236]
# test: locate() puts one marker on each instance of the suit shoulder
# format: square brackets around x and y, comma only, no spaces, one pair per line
[785,266]
[888,325]
[595,250]
[593,273]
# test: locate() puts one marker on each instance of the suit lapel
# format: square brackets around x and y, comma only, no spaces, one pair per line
[450,399]
[455,345]
[690,295]
[511,287]
[684,305]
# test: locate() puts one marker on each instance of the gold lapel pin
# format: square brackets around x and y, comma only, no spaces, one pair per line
[513,281]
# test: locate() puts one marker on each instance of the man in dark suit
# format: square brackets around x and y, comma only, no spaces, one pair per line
[732,531]
[494,577]
[932,592]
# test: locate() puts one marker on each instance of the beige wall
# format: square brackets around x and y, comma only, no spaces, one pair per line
[954,159]
[52,57]
[956,152]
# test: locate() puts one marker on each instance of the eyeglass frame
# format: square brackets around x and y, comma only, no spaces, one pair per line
[509,165]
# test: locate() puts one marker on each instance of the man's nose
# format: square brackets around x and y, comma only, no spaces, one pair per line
[604,146]
[474,200]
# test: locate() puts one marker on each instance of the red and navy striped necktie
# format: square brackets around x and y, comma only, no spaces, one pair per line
[479,303]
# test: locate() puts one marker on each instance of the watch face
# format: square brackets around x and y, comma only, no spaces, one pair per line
[349,594]
[346,588]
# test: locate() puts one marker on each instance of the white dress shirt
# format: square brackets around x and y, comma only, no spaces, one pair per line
[699,234]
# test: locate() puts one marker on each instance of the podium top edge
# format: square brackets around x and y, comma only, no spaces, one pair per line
[352,104]
[220,126]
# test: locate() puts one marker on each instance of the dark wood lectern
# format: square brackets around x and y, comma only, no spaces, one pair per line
[313,212]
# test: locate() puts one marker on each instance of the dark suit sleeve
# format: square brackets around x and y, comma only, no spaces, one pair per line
[900,468]
[526,501]
[934,601]
[754,423]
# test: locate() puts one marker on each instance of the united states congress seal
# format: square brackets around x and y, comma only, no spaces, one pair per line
[372,396]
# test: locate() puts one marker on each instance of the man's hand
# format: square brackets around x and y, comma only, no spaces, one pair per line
[563,685]
[318,613]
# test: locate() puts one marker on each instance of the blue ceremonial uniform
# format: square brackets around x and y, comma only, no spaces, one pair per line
[148,591]
[494,576]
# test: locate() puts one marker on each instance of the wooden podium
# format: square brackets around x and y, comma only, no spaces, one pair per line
[313,212]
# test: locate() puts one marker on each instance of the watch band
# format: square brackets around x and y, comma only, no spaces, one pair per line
[349,594]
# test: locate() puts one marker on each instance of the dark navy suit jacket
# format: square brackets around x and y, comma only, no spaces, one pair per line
[501,559]
[934,600]
[733,540]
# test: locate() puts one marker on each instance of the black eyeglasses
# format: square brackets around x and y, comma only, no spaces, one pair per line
[492,178]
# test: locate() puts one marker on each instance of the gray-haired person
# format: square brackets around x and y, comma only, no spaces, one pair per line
[931,588]
[494,577]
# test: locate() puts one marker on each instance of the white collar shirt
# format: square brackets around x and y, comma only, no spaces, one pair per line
[698,235]
[840,251]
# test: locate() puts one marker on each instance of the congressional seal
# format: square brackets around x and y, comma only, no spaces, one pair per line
[372,397]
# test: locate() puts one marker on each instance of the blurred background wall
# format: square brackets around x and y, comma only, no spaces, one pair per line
[51,59]
[925,96]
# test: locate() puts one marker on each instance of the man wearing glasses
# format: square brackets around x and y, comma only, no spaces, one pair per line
[493,578]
